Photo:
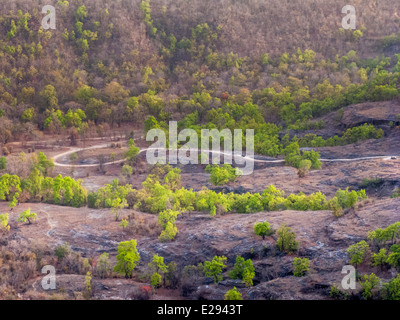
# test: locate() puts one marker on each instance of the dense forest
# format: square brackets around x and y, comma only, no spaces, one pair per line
[109,63]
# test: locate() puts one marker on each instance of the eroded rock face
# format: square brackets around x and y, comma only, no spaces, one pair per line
[323,239]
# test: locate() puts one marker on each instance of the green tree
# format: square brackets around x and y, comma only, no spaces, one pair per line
[27,216]
[233,294]
[357,252]
[127,170]
[49,95]
[127,259]
[300,266]
[103,267]
[132,153]
[155,280]
[214,268]
[286,239]
[394,256]
[304,168]
[244,270]
[220,175]
[4,222]
[169,233]
[379,259]
[117,205]
[124,224]
[391,289]
[88,285]
[3,163]
[263,229]
[368,283]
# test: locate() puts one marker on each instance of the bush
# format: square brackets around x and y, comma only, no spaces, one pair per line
[368,283]
[62,251]
[263,229]
[357,252]
[396,193]
[103,266]
[3,163]
[286,239]
[4,222]
[220,175]
[127,258]
[391,290]
[300,266]
[214,268]
[394,256]
[243,270]
[27,216]
[233,294]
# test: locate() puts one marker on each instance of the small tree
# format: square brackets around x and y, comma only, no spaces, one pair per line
[3,163]
[157,264]
[244,270]
[380,259]
[88,285]
[117,205]
[4,222]
[394,257]
[368,283]
[214,268]
[233,294]
[124,224]
[27,216]
[286,239]
[300,266]
[263,230]
[127,259]
[127,170]
[155,280]
[132,154]
[104,265]
[304,168]
[357,252]
[391,289]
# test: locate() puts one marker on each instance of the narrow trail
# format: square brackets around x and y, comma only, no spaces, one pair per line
[243,158]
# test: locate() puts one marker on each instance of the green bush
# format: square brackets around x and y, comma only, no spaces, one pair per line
[263,229]
[233,294]
[286,239]
[300,266]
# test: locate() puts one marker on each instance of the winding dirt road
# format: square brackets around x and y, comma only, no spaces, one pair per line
[244,158]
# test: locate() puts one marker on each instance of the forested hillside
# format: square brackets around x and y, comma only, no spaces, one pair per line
[254,62]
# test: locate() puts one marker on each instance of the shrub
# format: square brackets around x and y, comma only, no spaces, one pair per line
[391,289]
[357,252]
[243,270]
[379,259]
[214,268]
[300,266]
[286,239]
[233,294]
[304,168]
[396,193]
[127,259]
[3,163]
[4,222]
[394,256]
[27,216]
[103,266]
[220,175]
[368,283]
[62,251]
[155,280]
[263,229]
